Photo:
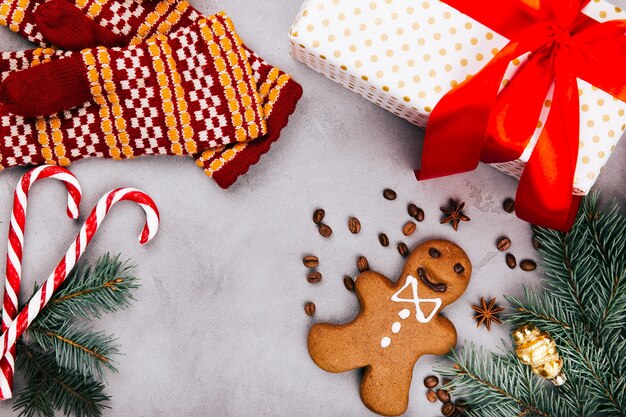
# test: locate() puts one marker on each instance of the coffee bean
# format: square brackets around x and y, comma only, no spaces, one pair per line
[314,277]
[458,268]
[409,228]
[509,205]
[354,225]
[349,283]
[434,253]
[431,396]
[310,261]
[431,381]
[446,381]
[403,249]
[420,215]
[325,230]
[511,262]
[389,194]
[309,308]
[318,215]
[528,265]
[504,244]
[536,243]
[412,209]
[383,239]
[448,409]
[362,264]
[443,395]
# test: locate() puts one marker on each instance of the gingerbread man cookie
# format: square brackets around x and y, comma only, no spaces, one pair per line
[397,324]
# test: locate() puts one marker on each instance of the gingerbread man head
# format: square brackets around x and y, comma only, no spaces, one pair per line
[397,324]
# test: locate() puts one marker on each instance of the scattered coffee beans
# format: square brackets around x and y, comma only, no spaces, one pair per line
[431,396]
[504,244]
[431,381]
[448,409]
[511,262]
[389,194]
[349,283]
[325,230]
[443,395]
[310,261]
[528,265]
[318,215]
[409,228]
[383,239]
[509,205]
[354,225]
[362,264]
[314,277]
[412,210]
[403,249]
[309,308]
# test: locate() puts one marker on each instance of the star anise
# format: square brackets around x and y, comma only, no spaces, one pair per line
[454,215]
[487,313]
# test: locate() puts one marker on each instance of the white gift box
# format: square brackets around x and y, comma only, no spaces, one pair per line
[404,56]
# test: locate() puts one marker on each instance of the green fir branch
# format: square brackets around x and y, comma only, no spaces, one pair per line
[61,358]
[583,307]
[76,347]
[106,288]
[49,388]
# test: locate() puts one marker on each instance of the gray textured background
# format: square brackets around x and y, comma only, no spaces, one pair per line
[218,328]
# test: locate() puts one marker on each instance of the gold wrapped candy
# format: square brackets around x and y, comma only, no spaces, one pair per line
[537,349]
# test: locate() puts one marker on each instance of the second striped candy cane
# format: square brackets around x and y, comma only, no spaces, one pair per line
[76,250]
[15,251]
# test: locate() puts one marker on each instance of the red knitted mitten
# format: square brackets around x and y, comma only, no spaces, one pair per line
[177,96]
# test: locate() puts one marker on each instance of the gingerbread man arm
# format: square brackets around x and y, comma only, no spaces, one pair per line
[338,348]
[369,283]
[446,336]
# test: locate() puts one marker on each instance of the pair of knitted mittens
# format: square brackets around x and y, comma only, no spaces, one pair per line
[152,78]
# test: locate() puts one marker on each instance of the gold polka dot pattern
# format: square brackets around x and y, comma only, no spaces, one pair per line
[404,56]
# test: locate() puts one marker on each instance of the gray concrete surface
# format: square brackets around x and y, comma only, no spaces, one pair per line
[218,328]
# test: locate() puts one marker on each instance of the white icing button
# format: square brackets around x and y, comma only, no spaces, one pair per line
[404,313]
[395,328]
[386,341]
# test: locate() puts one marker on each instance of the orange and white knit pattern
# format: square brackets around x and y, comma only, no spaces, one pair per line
[19,16]
[170,95]
[137,20]
[274,86]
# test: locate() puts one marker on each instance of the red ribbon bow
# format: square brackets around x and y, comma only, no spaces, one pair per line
[475,122]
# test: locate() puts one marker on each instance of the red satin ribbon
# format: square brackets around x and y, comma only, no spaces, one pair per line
[474,122]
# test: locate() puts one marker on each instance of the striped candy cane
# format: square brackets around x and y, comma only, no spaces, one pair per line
[76,250]
[15,249]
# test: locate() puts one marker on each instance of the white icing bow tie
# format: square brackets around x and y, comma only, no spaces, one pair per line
[419,314]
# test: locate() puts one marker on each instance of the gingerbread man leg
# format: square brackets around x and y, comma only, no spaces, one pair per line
[390,383]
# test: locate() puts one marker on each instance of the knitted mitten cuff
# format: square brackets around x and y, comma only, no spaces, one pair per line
[279,94]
